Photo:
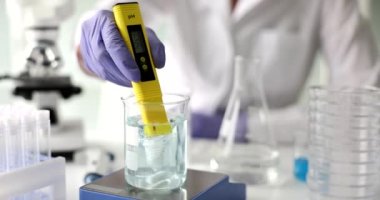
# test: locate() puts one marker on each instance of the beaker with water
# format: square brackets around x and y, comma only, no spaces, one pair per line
[254,161]
[156,162]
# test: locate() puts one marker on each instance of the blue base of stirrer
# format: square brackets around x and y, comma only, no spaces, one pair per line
[199,185]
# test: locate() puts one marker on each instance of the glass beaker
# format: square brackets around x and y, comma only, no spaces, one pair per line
[156,162]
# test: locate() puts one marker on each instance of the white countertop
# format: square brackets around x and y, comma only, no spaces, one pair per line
[286,188]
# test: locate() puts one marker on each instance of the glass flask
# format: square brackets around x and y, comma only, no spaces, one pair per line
[255,160]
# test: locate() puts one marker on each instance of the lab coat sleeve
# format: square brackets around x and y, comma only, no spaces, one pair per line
[348,44]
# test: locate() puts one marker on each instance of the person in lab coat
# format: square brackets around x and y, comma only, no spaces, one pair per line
[203,37]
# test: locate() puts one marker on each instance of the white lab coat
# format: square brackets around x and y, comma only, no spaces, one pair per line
[202,37]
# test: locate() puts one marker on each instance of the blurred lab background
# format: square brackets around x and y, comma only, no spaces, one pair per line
[88,104]
[83,106]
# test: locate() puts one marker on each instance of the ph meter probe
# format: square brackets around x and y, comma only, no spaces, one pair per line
[147,91]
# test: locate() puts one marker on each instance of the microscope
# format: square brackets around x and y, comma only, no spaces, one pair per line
[40,81]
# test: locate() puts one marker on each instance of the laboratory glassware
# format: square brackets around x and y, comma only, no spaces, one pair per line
[344,143]
[43,131]
[156,162]
[255,160]
[20,141]
[301,161]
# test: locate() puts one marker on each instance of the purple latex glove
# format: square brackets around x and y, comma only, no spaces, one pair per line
[207,126]
[105,53]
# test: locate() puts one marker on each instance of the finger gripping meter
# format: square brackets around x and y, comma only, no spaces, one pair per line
[147,91]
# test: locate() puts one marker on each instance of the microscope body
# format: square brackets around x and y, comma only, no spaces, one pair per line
[36,24]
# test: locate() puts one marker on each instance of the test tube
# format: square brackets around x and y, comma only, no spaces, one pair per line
[4,132]
[15,148]
[43,128]
[30,138]
[3,152]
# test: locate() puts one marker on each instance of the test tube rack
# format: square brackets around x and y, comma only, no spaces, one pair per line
[49,173]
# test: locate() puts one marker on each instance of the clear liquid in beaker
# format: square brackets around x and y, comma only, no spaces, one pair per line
[155,162]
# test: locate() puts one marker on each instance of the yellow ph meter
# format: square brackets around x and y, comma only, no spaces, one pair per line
[147,91]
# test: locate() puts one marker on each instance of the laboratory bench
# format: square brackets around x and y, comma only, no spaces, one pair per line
[287,187]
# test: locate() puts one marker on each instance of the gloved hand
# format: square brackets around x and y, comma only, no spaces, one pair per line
[207,126]
[105,54]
